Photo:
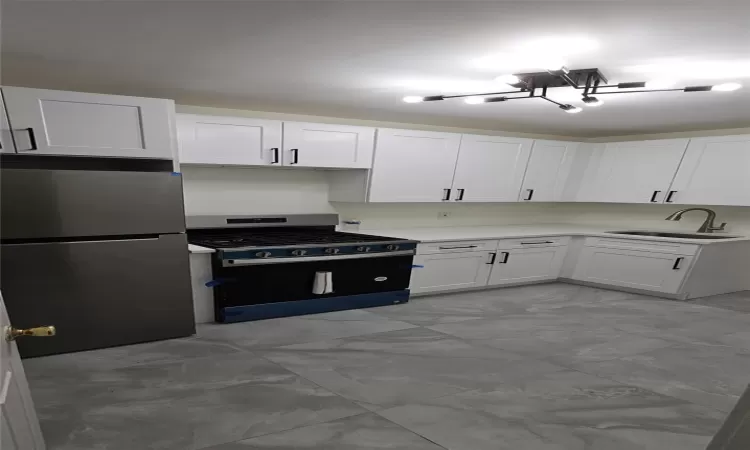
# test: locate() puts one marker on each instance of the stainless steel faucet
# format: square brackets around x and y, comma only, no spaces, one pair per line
[707,227]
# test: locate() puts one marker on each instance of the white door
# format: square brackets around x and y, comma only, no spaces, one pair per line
[661,272]
[547,171]
[490,168]
[527,264]
[48,122]
[20,427]
[413,166]
[228,140]
[6,140]
[447,271]
[323,145]
[638,171]
[714,171]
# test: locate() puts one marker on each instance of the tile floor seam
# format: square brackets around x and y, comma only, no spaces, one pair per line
[209,447]
[410,430]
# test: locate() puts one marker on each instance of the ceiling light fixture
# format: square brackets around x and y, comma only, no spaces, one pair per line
[592,101]
[570,109]
[591,82]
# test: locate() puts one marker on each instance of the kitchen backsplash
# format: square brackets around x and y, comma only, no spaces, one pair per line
[222,190]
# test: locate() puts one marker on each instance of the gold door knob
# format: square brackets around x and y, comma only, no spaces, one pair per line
[12,333]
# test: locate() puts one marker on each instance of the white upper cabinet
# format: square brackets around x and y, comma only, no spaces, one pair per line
[323,145]
[6,140]
[228,140]
[490,168]
[413,166]
[547,172]
[635,172]
[48,122]
[714,171]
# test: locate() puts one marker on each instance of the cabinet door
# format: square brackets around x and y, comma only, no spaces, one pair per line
[413,166]
[660,272]
[490,168]
[714,171]
[228,140]
[6,140]
[48,122]
[447,271]
[323,145]
[637,172]
[527,264]
[547,171]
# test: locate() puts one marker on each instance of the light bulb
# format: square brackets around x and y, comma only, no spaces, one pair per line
[474,100]
[413,99]
[726,87]
[507,79]
[660,84]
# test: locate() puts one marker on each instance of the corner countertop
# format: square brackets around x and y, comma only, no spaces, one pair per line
[438,234]
[192,248]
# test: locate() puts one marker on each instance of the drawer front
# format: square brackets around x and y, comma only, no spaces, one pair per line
[675,248]
[455,247]
[558,241]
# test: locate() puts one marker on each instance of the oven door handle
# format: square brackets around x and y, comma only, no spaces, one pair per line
[248,262]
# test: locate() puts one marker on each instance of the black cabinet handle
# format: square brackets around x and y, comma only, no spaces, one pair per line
[677,263]
[446,194]
[451,248]
[653,197]
[506,256]
[492,258]
[669,196]
[295,156]
[538,242]
[275,159]
[460,194]
[531,194]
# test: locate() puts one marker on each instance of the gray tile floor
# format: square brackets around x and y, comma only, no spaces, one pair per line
[551,366]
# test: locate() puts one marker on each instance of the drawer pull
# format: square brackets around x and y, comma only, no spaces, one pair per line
[492,258]
[530,194]
[653,197]
[460,194]
[677,263]
[669,197]
[506,256]
[451,248]
[539,242]
[446,194]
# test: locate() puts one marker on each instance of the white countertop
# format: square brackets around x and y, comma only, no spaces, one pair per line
[437,234]
[192,248]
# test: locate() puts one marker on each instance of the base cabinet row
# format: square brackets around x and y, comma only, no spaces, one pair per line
[438,272]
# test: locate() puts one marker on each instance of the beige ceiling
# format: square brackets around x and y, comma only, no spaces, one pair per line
[359,58]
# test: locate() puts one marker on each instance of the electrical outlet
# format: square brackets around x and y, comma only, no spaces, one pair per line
[444,215]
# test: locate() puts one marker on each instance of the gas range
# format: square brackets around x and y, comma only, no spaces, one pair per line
[276,266]
[275,239]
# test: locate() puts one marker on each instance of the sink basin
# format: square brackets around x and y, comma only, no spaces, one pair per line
[672,235]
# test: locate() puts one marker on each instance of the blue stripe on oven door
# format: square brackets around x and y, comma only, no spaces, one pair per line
[312,306]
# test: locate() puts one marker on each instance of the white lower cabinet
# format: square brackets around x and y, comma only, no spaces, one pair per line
[637,269]
[527,264]
[448,271]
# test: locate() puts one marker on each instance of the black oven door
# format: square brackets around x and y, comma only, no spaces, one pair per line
[373,277]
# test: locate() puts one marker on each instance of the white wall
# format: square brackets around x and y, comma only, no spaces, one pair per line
[247,191]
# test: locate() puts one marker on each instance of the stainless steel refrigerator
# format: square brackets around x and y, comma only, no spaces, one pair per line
[100,254]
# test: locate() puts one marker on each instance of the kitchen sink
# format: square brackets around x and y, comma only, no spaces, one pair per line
[672,235]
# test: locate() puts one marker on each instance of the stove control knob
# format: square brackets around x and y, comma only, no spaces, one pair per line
[299,252]
[392,247]
[363,249]
[332,251]
[263,254]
